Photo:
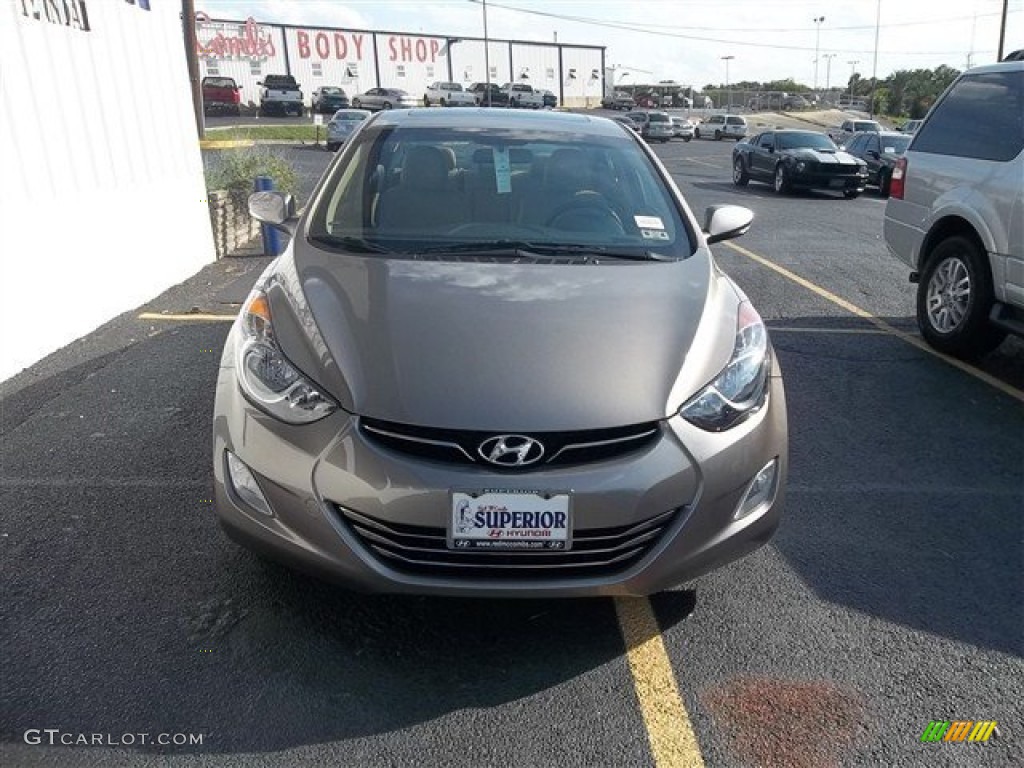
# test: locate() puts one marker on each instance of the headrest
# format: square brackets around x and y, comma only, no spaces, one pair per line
[425,167]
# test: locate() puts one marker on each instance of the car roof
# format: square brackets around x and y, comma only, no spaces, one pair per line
[1003,66]
[490,118]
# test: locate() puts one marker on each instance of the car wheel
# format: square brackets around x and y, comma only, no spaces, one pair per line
[781,180]
[851,194]
[718,135]
[687,138]
[740,177]
[356,104]
[696,133]
[426,101]
[236,111]
[883,184]
[954,296]
[444,103]
[387,105]
[332,147]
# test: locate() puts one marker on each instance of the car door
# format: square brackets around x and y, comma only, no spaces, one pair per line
[871,154]
[762,158]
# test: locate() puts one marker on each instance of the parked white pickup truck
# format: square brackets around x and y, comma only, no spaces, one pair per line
[522,95]
[448,95]
[280,94]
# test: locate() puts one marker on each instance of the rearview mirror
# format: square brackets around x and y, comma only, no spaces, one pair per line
[724,222]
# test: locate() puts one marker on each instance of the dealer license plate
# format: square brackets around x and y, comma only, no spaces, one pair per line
[510,520]
[837,183]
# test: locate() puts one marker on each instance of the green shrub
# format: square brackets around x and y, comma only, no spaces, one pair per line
[234,170]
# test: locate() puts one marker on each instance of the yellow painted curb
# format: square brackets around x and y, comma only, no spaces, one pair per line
[225,143]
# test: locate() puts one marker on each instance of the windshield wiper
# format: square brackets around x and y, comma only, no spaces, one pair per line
[526,249]
[353,244]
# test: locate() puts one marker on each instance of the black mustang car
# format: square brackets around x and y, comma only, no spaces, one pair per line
[798,159]
[880,151]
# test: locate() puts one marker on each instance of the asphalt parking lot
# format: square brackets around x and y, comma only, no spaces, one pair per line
[892,595]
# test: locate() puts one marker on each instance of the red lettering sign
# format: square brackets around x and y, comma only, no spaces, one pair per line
[320,42]
[251,43]
[412,49]
[323,45]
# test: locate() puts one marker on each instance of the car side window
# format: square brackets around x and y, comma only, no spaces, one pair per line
[871,143]
[767,140]
[981,117]
[856,145]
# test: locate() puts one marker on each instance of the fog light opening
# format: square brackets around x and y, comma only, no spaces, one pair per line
[244,484]
[761,491]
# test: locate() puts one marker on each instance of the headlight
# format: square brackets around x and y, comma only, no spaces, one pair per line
[742,386]
[270,382]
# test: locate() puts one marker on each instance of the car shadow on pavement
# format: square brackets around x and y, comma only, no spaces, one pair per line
[127,609]
[890,510]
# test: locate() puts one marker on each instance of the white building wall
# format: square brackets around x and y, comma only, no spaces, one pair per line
[331,57]
[539,64]
[583,90]
[104,202]
[411,62]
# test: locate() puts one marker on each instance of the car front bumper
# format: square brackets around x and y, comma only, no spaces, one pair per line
[316,477]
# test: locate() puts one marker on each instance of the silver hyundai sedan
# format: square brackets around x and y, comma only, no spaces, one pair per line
[498,359]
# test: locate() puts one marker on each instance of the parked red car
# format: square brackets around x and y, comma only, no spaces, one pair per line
[221,94]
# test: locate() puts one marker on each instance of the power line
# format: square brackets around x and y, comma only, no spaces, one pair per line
[675,35]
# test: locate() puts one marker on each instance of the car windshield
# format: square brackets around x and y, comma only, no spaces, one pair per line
[353,116]
[895,144]
[418,189]
[803,139]
[866,125]
[735,121]
[331,91]
[220,82]
[657,118]
[451,87]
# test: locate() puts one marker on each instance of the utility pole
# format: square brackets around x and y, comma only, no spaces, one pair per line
[1002,31]
[853,70]
[487,57]
[828,70]
[728,90]
[817,37]
[188,26]
[874,66]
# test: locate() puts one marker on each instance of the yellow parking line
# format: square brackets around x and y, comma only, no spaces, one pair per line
[189,316]
[791,329]
[225,143]
[669,731]
[914,341]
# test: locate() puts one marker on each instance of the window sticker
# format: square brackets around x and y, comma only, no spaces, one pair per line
[502,170]
[648,222]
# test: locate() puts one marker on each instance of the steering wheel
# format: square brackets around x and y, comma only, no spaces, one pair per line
[592,212]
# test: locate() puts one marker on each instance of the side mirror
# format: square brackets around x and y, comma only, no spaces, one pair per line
[770,149]
[275,209]
[873,153]
[724,222]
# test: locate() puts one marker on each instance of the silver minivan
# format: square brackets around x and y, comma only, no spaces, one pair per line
[955,214]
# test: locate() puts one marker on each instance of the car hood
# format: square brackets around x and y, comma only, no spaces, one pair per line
[824,157]
[471,345]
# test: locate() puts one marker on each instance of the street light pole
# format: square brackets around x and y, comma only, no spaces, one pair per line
[728,90]
[817,37]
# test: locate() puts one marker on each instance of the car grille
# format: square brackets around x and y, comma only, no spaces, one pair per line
[462,446]
[423,550]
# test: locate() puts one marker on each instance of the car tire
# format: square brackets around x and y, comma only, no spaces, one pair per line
[386,105]
[780,180]
[740,176]
[443,103]
[953,318]
[332,147]
[696,133]
[718,135]
[687,138]
[357,104]
[883,184]
[236,111]
[851,194]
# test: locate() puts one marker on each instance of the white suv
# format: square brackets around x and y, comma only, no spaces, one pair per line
[955,214]
[722,126]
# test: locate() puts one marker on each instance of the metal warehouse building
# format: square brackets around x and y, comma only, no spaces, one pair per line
[361,59]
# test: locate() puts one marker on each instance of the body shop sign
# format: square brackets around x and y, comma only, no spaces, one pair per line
[349,46]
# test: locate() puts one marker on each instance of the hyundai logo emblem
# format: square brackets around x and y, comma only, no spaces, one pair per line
[511,450]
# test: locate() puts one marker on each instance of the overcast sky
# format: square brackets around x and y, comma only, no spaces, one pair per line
[684,40]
